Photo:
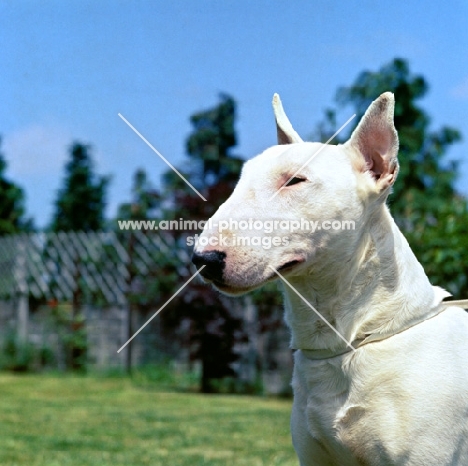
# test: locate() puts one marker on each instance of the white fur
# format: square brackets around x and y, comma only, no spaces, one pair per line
[399,401]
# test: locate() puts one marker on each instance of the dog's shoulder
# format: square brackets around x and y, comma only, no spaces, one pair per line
[401,385]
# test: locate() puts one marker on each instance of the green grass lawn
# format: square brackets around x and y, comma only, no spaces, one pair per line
[65,420]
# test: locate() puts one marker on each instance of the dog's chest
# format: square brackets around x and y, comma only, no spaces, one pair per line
[321,394]
[321,403]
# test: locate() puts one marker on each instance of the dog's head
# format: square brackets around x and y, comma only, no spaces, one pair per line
[300,204]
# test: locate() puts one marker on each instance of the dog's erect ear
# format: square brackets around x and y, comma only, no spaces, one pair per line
[286,133]
[377,140]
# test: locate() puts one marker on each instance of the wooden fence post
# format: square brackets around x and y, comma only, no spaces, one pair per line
[130,277]
[22,287]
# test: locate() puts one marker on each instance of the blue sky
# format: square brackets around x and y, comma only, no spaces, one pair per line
[70,66]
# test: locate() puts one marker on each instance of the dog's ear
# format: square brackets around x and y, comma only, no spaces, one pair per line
[286,133]
[376,139]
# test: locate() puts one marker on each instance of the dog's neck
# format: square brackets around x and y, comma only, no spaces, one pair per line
[375,285]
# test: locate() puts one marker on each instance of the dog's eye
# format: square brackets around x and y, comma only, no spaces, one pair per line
[295,180]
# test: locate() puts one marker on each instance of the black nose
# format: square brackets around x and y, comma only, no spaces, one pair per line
[213,262]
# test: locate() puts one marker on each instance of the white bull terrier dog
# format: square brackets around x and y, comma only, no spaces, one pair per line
[381,367]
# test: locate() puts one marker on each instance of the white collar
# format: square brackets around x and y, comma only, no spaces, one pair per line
[319,354]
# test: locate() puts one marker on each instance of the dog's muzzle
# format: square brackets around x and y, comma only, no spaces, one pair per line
[214,264]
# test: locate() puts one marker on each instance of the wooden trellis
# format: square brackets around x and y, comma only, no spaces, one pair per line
[55,265]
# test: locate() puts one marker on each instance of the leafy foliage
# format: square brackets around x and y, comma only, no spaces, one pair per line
[17,355]
[70,330]
[11,205]
[145,199]
[159,281]
[424,203]
[210,143]
[79,207]
[212,168]
[81,201]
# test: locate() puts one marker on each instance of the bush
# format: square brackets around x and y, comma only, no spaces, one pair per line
[17,356]
[22,356]
[71,330]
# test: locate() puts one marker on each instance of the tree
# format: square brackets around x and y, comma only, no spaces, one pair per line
[214,171]
[79,206]
[145,199]
[159,280]
[210,143]
[211,168]
[80,202]
[11,205]
[425,204]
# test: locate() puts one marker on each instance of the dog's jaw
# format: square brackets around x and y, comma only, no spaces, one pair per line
[233,291]
[227,289]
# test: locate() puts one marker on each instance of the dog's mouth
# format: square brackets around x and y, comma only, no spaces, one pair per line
[289,265]
[239,290]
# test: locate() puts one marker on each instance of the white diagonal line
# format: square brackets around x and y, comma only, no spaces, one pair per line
[162,307]
[313,308]
[316,153]
[159,153]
